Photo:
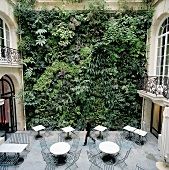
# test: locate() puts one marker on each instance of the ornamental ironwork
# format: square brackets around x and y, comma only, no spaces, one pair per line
[158,85]
[9,55]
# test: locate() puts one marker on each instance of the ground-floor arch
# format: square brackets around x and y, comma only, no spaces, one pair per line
[8,119]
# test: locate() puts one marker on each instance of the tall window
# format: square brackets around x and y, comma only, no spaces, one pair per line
[4,34]
[162,68]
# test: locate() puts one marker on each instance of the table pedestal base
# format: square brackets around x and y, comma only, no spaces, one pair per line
[20,161]
[68,137]
[61,160]
[108,159]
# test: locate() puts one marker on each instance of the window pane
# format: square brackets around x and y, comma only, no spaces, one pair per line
[159,42]
[161,70]
[1,42]
[167,50]
[7,43]
[167,60]
[6,28]
[158,61]
[7,35]
[1,33]
[159,52]
[157,71]
[160,32]
[1,23]
[165,30]
[166,70]
[162,51]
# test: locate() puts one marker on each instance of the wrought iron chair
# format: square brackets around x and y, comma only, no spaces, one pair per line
[2,157]
[21,138]
[121,160]
[49,128]
[11,160]
[43,143]
[71,160]
[48,157]
[75,145]
[60,137]
[50,166]
[93,149]
[138,167]
[3,167]
[96,162]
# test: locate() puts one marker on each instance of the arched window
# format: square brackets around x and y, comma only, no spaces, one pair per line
[4,34]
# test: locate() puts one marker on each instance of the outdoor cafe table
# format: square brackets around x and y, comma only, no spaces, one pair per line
[110,148]
[141,134]
[59,149]
[67,130]
[38,129]
[100,129]
[130,129]
[13,148]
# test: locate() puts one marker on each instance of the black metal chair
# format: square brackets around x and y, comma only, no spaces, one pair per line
[121,160]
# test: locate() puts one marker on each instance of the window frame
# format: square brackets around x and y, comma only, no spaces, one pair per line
[5,24]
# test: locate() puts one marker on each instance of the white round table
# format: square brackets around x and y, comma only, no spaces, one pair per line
[110,148]
[59,149]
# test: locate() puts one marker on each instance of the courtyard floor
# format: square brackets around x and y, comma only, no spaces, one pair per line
[146,155]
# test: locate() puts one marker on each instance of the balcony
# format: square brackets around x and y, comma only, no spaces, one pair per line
[9,56]
[154,87]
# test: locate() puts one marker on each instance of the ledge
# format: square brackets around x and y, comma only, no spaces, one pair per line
[159,99]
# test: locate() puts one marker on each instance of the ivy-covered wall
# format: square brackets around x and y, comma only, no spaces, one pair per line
[82,63]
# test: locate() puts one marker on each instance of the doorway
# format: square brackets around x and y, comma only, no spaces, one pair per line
[8,122]
[156,119]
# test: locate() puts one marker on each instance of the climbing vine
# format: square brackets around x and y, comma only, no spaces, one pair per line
[83,63]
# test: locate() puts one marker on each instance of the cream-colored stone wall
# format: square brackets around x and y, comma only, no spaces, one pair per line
[12,70]
[146,112]
[161,12]
[6,12]
[68,5]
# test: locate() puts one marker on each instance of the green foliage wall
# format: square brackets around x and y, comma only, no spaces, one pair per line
[82,63]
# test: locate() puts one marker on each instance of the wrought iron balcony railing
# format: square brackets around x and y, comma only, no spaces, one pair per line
[158,85]
[9,55]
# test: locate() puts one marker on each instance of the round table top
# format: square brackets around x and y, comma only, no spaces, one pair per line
[60,148]
[109,147]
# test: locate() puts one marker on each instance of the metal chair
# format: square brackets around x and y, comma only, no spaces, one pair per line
[50,166]
[49,128]
[93,149]
[3,167]
[11,160]
[75,145]
[122,160]
[48,157]
[43,143]
[138,167]
[73,159]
